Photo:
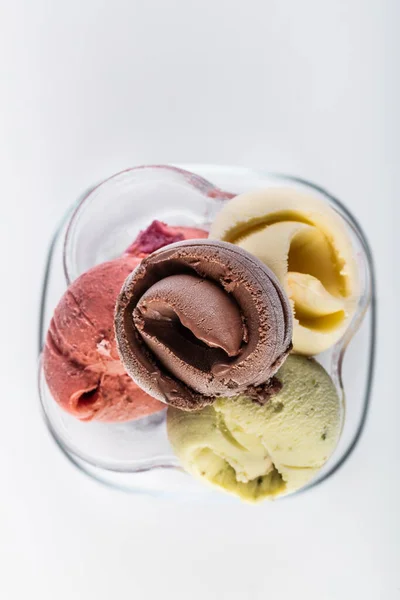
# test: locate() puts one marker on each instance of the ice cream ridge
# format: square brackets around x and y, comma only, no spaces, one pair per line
[203,319]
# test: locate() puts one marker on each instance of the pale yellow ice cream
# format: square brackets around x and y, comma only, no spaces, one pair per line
[307,244]
[261,451]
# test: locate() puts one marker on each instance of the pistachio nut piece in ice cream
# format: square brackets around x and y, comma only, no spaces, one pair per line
[262,451]
[308,247]
[201,319]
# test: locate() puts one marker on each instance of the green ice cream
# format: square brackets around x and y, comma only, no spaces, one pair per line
[262,451]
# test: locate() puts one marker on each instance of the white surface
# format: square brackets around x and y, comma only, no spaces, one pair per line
[88,88]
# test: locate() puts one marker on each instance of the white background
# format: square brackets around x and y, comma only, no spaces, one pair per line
[90,87]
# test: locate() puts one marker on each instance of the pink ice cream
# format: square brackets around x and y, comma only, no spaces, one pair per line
[159,234]
[80,358]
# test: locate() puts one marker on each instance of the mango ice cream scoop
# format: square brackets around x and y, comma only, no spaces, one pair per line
[308,247]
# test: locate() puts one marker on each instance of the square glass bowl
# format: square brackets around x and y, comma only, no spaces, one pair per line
[136,456]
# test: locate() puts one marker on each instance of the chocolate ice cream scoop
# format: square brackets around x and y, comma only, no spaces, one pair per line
[201,319]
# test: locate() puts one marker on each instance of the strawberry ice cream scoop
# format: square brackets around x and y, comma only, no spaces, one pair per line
[80,358]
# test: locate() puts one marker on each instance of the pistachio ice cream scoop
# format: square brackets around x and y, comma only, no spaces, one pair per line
[308,247]
[259,451]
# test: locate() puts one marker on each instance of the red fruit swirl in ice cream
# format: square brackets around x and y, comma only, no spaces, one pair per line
[158,235]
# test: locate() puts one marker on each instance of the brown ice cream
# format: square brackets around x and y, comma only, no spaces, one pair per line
[201,319]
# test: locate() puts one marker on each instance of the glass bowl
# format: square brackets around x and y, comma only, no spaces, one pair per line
[136,456]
